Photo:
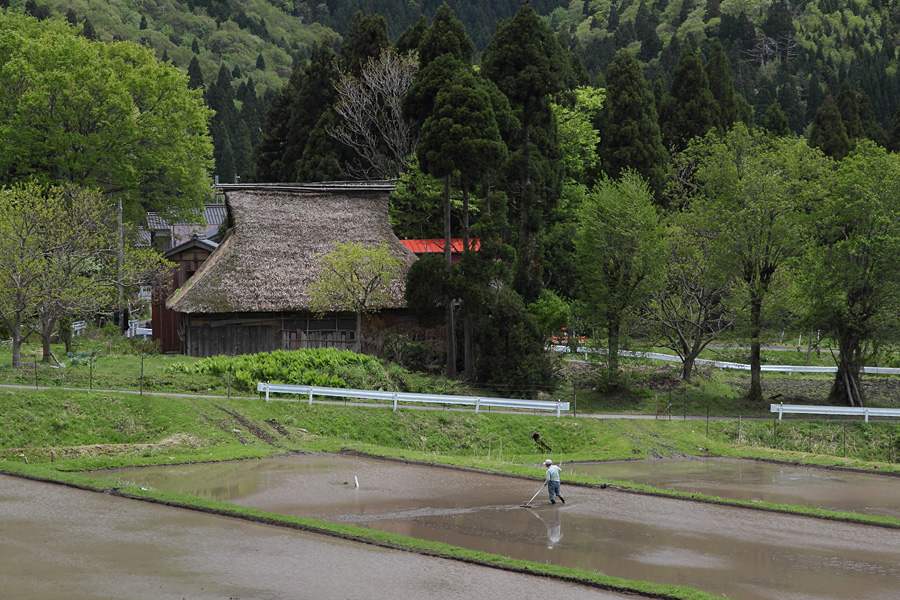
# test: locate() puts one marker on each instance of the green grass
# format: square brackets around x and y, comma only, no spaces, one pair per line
[100,365]
[63,425]
[57,434]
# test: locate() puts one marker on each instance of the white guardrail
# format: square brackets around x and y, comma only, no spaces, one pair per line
[395,397]
[845,411]
[721,364]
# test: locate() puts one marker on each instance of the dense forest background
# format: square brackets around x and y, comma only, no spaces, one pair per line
[669,170]
[243,51]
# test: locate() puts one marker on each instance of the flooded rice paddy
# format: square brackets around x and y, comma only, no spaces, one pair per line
[742,553]
[830,489]
[60,542]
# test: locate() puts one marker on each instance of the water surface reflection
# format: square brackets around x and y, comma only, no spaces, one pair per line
[744,554]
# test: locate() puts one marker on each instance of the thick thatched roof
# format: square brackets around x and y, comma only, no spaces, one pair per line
[278,234]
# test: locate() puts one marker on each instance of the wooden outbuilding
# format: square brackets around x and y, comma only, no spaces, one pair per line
[187,257]
[252,293]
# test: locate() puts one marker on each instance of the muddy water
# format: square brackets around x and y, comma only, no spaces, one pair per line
[745,554]
[864,493]
[60,542]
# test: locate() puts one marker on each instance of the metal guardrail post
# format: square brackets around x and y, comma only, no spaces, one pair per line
[395,401]
[477,404]
[310,395]
[866,413]
[267,390]
[780,408]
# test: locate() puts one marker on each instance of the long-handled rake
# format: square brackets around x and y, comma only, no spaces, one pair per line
[535,495]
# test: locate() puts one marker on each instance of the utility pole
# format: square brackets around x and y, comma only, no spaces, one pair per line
[121,266]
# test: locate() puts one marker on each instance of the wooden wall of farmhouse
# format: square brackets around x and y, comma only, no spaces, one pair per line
[231,335]
[204,340]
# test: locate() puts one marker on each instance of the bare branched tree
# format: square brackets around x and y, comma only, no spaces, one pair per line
[372,119]
[695,306]
[767,49]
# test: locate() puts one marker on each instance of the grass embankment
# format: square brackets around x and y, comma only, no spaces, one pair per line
[52,433]
[49,434]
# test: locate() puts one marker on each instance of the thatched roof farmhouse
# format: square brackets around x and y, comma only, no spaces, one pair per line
[251,294]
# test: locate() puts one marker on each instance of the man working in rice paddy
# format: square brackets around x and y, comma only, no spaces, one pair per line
[552,481]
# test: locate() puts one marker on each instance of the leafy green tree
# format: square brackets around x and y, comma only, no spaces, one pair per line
[528,65]
[828,133]
[100,115]
[412,36]
[195,75]
[58,258]
[751,192]
[416,207]
[512,358]
[419,100]
[273,162]
[578,137]
[778,23]
[365,38]
[446,35]
[690,110]
[849,276]
[775,122]
[357,279]
[721,85]
[619,243]
[629,126]
[460,137]
[551,314]
[695,306]
[578,140]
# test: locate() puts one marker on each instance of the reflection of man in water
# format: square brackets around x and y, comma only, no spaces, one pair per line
[553,525]
[554,528]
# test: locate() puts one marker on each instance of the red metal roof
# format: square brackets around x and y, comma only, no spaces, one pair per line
[437,246]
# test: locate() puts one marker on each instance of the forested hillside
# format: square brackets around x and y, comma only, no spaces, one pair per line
[243,51]
[671,171]
[795,53]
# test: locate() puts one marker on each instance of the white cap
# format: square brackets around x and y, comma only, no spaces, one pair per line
[548,462]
